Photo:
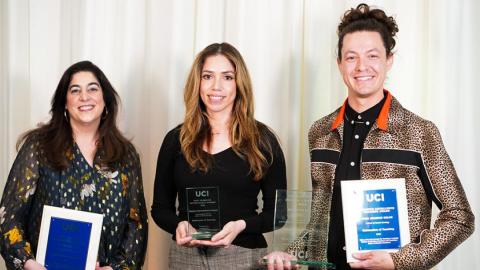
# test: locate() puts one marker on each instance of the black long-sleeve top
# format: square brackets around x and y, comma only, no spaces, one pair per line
[238,191]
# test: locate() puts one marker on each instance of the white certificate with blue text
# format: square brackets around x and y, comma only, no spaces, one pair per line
[375,215]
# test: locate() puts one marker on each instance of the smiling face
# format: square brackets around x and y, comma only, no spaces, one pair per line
[218,88]
[364,65]
[85,102]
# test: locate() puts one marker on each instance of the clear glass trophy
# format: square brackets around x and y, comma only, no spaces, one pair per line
[203,210]
[299,233]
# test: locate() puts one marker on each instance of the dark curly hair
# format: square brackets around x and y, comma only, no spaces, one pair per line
[363,18]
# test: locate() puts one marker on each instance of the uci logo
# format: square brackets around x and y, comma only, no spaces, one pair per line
[377,197]
[301,254]
[201,193]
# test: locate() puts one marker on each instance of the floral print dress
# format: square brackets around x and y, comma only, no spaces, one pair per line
[115,193]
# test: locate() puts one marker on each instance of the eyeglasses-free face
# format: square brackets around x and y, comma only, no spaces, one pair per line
[218,88]
[85,102]
[364,65]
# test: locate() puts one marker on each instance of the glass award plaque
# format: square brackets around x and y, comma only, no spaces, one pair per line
[297,232]
[68,239]
[375,215]
[203,212]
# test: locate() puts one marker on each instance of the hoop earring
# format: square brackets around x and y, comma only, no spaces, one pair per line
[65,114]
[106,113]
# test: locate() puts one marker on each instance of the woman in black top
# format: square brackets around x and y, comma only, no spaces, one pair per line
[78,160]
[219,144]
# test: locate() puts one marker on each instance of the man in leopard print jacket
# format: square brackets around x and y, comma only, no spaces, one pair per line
[373,137]
[399,145]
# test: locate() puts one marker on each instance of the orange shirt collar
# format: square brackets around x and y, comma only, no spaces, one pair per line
[382,120]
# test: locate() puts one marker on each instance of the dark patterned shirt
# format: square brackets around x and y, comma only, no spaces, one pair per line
[115,193]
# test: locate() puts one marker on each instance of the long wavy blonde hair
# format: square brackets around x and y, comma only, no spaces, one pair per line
[249,138]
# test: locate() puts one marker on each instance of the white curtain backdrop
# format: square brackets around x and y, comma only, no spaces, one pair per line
[146,47]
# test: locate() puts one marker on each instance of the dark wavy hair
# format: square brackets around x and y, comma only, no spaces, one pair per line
[363,18]
[55,137]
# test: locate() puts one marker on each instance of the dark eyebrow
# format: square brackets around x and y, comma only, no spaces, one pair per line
[93,83]
[223,72]
[76,85]
[350,51]
[373,50]
[369,51]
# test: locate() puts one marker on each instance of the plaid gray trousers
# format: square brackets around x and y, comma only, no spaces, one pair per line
[213,258]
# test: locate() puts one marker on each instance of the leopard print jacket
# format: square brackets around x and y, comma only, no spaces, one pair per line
[399,145]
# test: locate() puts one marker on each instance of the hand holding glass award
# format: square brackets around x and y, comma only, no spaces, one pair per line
[299,233]
[203,212]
